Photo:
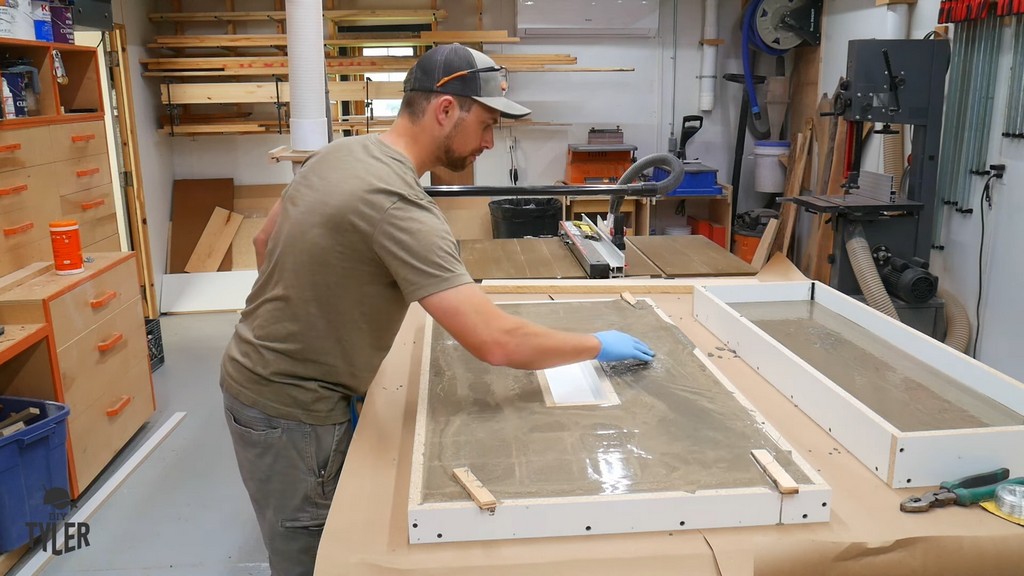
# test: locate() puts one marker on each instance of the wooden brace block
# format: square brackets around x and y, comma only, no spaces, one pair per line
[481,495]
[629,299]
[713,42]
[26,414]
[783,481]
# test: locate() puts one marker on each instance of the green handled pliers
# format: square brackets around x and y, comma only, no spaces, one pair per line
[962,492]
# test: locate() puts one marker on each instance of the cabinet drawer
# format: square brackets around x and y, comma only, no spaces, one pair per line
[20,188]
[102,355]
[78,140]
[24,148]
[21,256]
[98,431]
[84,307]
[88,205]
[80,174]
[95,230]
[108,244]
[23,227]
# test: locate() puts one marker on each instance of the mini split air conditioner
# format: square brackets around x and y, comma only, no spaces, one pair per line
[536,18]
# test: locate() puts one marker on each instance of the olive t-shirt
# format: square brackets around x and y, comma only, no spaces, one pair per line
[356,241]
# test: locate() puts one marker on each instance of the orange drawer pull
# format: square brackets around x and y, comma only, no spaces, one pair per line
[103,300]
[10,147]
[19,229]
[89,172]
[108,344]
[18,189]
[93,204]
[120,406]
[77,138]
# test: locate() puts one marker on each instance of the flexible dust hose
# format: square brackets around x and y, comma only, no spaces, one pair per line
[670,163]
[867,274]
[892,157]
[958,323]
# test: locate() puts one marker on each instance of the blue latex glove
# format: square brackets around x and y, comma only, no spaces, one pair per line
[616,346]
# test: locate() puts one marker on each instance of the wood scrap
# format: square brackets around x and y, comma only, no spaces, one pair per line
[766,245]
[476,489]
[794,177]
[776,473]
[215,241]
[16,427]
[23,416]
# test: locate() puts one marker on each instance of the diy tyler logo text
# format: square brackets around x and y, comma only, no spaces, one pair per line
[59,537]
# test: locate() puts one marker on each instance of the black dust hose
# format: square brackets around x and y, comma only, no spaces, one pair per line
[674,167]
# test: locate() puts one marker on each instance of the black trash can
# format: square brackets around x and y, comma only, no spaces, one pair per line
[519,217]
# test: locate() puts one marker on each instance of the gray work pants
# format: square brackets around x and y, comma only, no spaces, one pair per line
[290,470]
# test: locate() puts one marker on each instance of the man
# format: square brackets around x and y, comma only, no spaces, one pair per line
[352,242]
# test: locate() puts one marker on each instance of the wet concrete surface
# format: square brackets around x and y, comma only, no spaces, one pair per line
[905,391]
[677,428]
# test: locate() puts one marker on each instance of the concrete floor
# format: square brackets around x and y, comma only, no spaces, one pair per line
[184,510]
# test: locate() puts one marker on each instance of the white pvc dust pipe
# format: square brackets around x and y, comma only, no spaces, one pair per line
[897,21]
[709,57]
[306,80]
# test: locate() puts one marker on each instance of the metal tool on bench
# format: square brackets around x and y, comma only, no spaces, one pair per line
[962,492]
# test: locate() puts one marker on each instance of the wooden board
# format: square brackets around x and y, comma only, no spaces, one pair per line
[469,218]
[243,253]
[376,16]
[269,92]
[678,256]
[213,245]
[192,204]
[519,258]
[764,247]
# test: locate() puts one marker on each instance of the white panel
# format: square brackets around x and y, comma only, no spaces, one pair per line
[206,291]
[587,18]
[860,430]
[578,384]
[960,367]
[746,291]
[928,458]
[542,518]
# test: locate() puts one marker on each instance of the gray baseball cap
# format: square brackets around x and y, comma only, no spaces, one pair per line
[461,71]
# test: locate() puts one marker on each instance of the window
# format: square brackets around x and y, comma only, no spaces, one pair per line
[387,107]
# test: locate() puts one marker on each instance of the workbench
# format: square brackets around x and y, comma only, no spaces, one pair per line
[367,534]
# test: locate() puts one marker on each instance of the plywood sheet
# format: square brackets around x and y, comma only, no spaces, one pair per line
[906,392]
[243,253]
[192,204]
[680,256]
[519,258]
[469,218]
[677,427]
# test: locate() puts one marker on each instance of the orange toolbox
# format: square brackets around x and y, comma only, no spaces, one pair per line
[598,163]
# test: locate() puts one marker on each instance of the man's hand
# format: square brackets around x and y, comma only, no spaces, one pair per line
[617,346]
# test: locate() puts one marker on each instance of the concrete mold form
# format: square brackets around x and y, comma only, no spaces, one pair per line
[673,454]
[911,409]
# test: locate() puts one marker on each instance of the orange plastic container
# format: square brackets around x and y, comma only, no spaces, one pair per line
[745,246]
[66,240]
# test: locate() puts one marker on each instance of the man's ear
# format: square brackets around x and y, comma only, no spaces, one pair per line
[446,108]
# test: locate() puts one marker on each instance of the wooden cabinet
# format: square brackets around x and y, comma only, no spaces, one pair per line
[99,341]
[54,162]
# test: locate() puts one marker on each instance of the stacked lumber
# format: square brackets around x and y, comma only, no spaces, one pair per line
[236,83]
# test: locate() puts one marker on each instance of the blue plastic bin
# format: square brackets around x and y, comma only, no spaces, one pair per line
[33,463]
[699,180]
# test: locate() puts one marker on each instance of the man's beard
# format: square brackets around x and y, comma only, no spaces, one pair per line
[450,160]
